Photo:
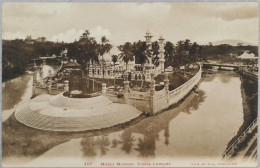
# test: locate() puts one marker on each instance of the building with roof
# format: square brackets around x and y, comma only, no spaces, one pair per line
[107,69]
[248,56]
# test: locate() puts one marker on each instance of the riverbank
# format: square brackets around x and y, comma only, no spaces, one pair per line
[249,93]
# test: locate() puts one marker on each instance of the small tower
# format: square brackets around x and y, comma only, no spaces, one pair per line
[149,64]
[148,38]
[161,54]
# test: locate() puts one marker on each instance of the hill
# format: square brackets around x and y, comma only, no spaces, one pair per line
[233,42]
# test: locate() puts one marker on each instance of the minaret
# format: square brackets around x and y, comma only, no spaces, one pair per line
[161,54]
[148,38]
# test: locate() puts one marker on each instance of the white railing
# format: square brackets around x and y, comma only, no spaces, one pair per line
[254,123]
[186,83]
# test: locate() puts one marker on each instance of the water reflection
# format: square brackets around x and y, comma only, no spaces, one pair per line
[127,141]
[90,145]
[143,136]
[196,101]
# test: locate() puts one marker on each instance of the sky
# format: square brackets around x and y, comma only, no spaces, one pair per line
[120,22]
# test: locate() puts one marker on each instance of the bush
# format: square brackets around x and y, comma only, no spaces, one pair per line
[120,95]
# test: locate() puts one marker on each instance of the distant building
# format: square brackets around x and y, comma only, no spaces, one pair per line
[248,56]
[29,40]
[41,39]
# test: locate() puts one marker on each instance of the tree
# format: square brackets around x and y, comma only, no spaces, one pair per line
[114,59]
[155,53]
[169,56]
[193,53]
[104,47]
[180,53]
[142,53]
[126,53]
[88,53]
[187,47]
[201,54]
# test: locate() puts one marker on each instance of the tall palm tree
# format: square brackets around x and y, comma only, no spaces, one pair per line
[93,55]
[155,53]
[187,46]
[169,55]
[104,47]
[201,54]
[142,53]
[193,53]
[180,52]
[114,59]
[126,53]
[88,54]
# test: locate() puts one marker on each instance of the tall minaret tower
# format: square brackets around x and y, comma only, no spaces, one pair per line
[161,53]
[148,38]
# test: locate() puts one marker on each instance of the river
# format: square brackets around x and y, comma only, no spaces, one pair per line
[18,90]
[199,129]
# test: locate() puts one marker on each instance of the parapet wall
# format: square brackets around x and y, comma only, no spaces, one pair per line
[155,101]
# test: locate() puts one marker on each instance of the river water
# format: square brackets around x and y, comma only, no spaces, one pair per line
[199,129]
[19,90]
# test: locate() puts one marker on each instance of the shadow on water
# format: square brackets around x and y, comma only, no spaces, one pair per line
[147,129]
[19,140]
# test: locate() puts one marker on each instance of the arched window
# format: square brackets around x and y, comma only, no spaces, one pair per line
[140,77]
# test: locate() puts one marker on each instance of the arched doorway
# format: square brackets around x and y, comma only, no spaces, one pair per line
[139,77]
[143,77]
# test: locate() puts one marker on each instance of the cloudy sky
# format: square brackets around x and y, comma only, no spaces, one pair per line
[202,22]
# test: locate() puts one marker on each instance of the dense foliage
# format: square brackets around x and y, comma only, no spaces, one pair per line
[17,53]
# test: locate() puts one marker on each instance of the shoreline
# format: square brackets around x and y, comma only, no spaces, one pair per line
[248,112]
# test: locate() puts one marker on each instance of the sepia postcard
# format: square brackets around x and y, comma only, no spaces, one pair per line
[130,84]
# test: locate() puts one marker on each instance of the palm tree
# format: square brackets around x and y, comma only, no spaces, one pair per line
[88,54]
[180,53]
[126,53]
[193,53]
[201,54]
[93,55]
[114,59]
[142,52]
[104,47]
[155,53]
[187,46]
[169,54]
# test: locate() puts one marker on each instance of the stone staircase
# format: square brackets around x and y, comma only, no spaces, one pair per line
[37,120]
